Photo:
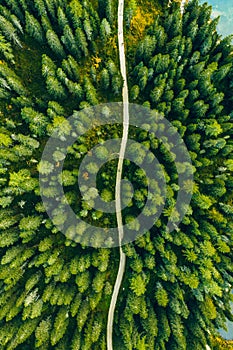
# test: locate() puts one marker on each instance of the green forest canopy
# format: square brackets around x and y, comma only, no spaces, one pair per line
[58,57]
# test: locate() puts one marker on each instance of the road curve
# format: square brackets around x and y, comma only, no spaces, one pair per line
[125,97]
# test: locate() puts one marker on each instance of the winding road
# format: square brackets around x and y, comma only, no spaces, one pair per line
[125,97]
[182,5]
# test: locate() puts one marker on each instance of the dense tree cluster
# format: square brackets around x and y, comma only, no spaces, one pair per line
[54,293]
[180,282]
[56,58]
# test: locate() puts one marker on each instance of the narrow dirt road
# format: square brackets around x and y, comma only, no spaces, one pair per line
[182,5]
[125,97]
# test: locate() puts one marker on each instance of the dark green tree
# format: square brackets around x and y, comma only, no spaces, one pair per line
[54,43]
[33,27]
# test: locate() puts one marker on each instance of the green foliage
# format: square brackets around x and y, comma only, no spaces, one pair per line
[9,31]
[60,325]
[104,78]
[42,332]
[134,92]
[105,30]
[68,40]
[6,49]
[57,58]
[33,27]
[21,182]
[81,41]
[161,296]
[138,285]
[54,43]
[37,121]
[184,84]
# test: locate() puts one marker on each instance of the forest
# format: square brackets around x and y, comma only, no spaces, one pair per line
[60,57]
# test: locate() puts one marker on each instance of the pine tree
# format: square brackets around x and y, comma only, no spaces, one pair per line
[90,92]
[222,72]
[104,79]
[62,18]
[138,285]
[46,23]
[142,77]
[88,29]
[134,92]
[68,40]
[41,8]
[33,27]
[74,67]
[105,30]
[51,8]
[110,11]
[81,41]
[130,12]
[9,31]
[6,49]
[76,11]
[15,7]
[42,332]
[55,43]
[48,66]
[117,84]
[11,18]
[60,325]
[37,121]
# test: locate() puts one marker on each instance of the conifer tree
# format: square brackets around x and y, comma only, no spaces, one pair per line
[68,40]
[104,79]
[105,30]
[15,7]
[55,43]
[88,29]
[81,41]
[33,27]
[40,8]
[6,49]
[62,18]
[9,31]
[75,11]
